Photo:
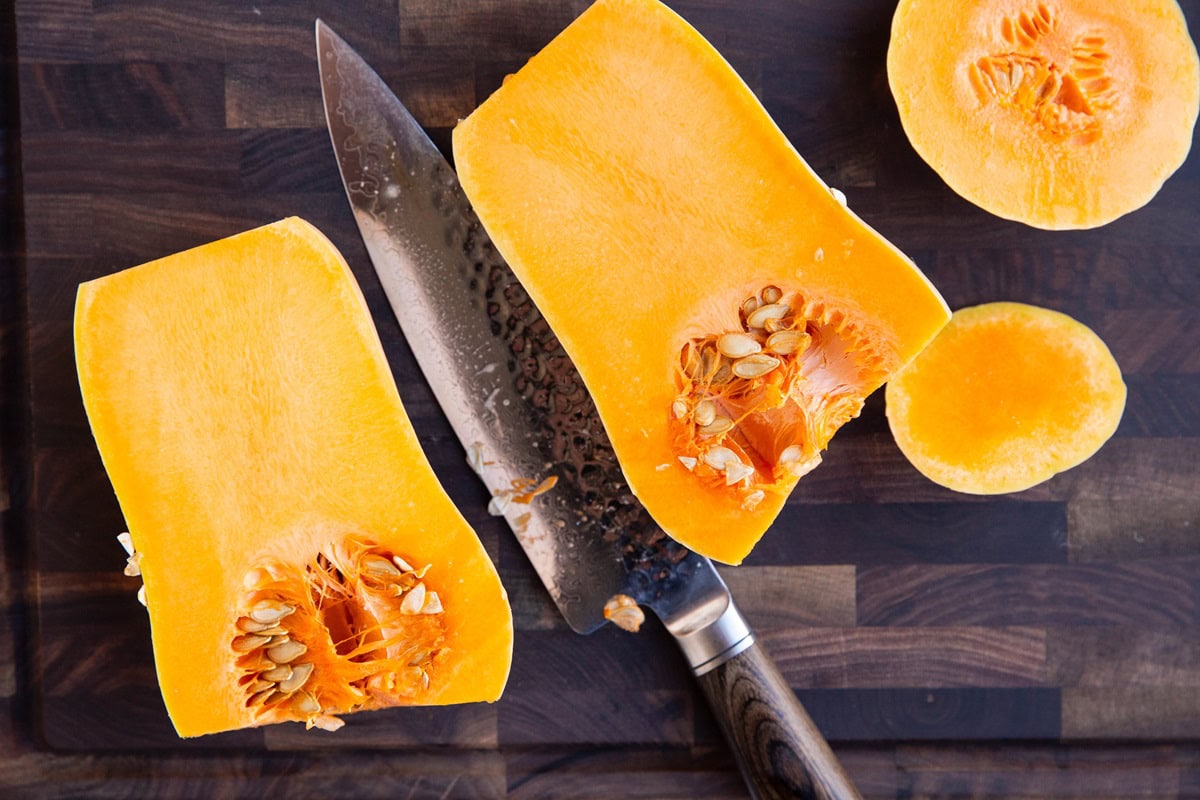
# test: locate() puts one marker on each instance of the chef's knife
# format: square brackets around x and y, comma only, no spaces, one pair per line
[532,434]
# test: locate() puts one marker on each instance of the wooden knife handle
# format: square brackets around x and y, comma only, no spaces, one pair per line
[778,748]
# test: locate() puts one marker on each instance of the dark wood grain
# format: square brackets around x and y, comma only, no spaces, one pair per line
[890,658]
[910,620]
[1146,594]
[1111,530]
[1001,532]
[794,596]
[932,714]
[124,96]
[780,751]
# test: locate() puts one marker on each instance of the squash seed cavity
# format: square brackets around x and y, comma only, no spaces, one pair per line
[754,407]
[356,628]
[1063,87]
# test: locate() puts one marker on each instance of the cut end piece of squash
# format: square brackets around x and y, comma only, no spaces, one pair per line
[1055,113]
[725,309]
[300,558]
[1005,397]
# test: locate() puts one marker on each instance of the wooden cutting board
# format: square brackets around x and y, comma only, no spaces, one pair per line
[898,610]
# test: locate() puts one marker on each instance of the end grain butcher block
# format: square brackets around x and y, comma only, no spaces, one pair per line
[899,611]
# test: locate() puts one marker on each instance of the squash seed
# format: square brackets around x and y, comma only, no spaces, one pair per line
[126,542]
[763,313]
[737,345]
[706,412]
[720,424]
[749,305]
[772,294]
[718,457]
[755,366]
[776,325]
[499,504]
[141,596]
[414,601]
[248,642]
[791,454]
[722,375]
[433,604]
[736,472]
[377,565]
[300,674]
[679,408]
[276,674]
[402,564]
[624,612]
[786,342]
[688,462]
[326,722]
[709,360]
[247,625]
[305,703]
[270,611]
[286,652]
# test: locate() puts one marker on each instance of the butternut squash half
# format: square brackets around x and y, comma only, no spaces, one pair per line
[300,558]
[1004,398]
[724,308]
[1055,113]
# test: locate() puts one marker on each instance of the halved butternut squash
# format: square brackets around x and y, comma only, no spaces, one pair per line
[725,309]
[300,558]
[1055,113]
[1004,398]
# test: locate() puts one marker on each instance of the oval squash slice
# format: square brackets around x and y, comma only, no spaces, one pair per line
[724,308]
[1055,113]
[1004,398]
[300,558]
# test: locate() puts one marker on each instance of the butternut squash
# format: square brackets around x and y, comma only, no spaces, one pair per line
[1004,398]
[725,309]
[1055,113]
[300,558]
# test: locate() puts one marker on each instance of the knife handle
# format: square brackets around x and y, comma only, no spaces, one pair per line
[779,750]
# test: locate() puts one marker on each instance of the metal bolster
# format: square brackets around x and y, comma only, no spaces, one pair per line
[710,646]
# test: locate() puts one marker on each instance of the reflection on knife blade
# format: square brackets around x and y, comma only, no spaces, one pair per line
[567,431]
[497,369]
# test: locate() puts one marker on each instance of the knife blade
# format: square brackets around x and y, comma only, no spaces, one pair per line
[527,423]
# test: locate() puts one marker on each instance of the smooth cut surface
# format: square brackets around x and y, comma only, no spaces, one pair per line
[640,212]
[244,409]
[1005,397]
[1059,114]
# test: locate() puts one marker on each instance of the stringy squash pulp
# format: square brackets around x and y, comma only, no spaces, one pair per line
[300,558]
[725,309]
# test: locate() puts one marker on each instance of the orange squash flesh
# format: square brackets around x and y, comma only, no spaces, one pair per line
[1005,397]
[1055,113]
[252,431]
[642,195]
